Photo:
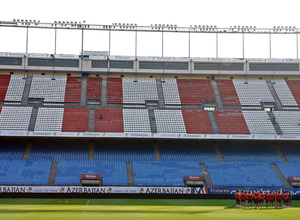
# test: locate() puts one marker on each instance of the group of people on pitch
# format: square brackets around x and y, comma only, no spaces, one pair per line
[259,199]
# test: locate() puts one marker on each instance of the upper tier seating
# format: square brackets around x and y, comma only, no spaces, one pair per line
[124,151]
[50,90]
[170,91]
[259,122]
[49,119]
[284,93]
[75,120]
[24,172]
[140,91]
[243,174]
[196,92]
[4,82]
[112,120]
[15,89]
[253,93]
[289,169]
[294,86]
[249,152]
[169,121]
[59,150]
[163,173]
[11,149]
[228,93]
[114,90]
[73,89]
[15,118]
[231,122]
[136,120]
[114,173]
[197,122]
[199,152]
[288,121]
[291,151]
[94,85]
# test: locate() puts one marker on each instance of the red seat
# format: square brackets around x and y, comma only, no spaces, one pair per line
[114,90]
[4,83]
[228,93]
[197,122]
[112,120]
[75,120]
[94,85]
[73,89]
[294,86]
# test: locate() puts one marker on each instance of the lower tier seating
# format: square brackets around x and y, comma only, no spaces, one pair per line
[289,169]
[113,172]
[163,173]
[24,172]
[243,174]
[11,149]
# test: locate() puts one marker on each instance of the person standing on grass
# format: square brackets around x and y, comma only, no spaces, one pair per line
[256,197]
[242,198]
[272,198]
[290,198]
[286,198]
[249,198]
[267,199]
[262,199]
[237,198]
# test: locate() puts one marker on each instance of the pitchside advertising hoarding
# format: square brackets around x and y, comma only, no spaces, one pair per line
[124,190]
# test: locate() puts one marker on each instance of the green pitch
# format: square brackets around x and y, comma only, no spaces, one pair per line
[137,209]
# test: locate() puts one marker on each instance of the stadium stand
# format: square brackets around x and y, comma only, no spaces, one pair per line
[284,93]
[243,174]
[291,152]
[163,173]
[249,152]
[288,121]
[169,121]
[196,92]
[15,118]
[231,122]
[49,119]
[4,83]
[75,120]
[197,122]
[24,172]
[59,150]
[137,92]
[170,91]
[48,89]
[198,152]
[114,90]
[124,151]
[73,90]
[94,85]
[289,169]
[252,93]
[259,122]
[294,86]
[15,89]
[113,172]
[11,149]
[136,120]
[112,120]
[228,93]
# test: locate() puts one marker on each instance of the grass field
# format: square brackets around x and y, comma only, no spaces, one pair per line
[137,209]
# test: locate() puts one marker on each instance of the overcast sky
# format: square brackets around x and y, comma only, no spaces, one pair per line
[223,13]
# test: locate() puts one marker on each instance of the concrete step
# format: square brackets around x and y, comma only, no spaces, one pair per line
[83,90]
[219,153]
[156,152]
[33,119]
[274,94]
[275,125]
[213,122]
[104,93]
[281,155]
[92,120]
[217,94]
[27,151]
[152,121]
[130,176]
[52,176]
[91,151]
[280,175]
[161,98]
[26,90]
[206,175]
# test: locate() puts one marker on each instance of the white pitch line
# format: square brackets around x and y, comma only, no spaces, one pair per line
[85,209]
